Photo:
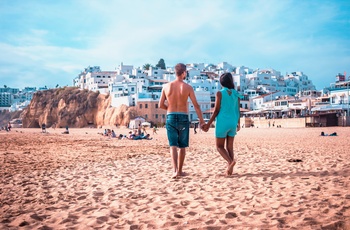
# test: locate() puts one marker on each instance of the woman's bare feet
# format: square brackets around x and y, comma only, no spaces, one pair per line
[230,167]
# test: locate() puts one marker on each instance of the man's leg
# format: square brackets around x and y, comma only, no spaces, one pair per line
[174,156]
[182,155]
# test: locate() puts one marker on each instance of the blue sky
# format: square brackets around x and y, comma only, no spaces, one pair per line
[49,42]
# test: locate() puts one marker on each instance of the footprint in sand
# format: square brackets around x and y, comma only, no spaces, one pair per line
[37,217]
[230,215]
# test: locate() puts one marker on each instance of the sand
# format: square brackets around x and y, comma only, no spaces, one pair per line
[283,179]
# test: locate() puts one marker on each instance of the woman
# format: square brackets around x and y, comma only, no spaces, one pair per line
[227,114]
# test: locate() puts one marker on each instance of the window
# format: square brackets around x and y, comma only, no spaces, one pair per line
[156,106]
[156,116]
[140,106]
[146,106]
[146,116]
[163,116]
[132,89]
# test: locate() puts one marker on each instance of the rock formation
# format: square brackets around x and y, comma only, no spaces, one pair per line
[70,106]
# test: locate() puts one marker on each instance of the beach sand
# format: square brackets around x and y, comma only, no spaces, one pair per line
[284,179]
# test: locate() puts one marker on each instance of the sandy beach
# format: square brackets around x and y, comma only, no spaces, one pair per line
[284,179]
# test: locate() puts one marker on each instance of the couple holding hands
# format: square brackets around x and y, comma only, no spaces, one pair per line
[174,99]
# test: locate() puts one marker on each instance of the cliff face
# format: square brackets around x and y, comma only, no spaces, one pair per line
[6,117]
[75,108]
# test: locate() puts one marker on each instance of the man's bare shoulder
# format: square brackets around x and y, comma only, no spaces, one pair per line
[188,87]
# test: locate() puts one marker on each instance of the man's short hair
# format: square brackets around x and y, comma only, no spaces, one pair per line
[179,69]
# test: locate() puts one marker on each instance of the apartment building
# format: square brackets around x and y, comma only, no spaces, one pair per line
[6,100]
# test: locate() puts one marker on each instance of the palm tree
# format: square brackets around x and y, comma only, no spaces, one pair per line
[146,66]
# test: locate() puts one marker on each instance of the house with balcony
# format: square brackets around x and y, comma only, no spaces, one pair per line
[339,99]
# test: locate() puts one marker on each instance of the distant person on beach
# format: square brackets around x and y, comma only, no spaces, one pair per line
[43,128]
[325,134]
[131,135]
[143,136]
[139,130]
[227,114]
[66,131]
[9,127]
[174,99]
[195,128]
[155,130]
[144,129]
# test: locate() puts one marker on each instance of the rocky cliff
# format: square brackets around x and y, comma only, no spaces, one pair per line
[6,116]
[75,108]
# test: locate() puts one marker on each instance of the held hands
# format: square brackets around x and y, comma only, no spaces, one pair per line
[205,127]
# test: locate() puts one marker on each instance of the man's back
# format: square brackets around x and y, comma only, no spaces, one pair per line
[177,93]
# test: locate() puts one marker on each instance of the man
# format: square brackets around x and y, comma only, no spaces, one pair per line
[174,99]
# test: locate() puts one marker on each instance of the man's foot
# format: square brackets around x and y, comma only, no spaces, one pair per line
[180,174]
[174,176]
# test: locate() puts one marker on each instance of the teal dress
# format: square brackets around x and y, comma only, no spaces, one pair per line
[228,117]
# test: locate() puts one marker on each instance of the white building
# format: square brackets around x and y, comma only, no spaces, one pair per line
[6,100]
[339,94]
[80,80]
[264,102]
[261,87]
[203,99]
[98,81]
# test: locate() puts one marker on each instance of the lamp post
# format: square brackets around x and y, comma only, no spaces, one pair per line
[271,106]
[347,87]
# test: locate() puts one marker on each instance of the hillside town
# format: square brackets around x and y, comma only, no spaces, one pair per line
[267,93]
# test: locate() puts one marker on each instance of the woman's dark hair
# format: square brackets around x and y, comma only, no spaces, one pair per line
[226,80]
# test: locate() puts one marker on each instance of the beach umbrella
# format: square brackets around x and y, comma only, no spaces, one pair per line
[146,123]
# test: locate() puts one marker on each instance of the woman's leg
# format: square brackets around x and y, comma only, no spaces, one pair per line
[220,146]
[229,147]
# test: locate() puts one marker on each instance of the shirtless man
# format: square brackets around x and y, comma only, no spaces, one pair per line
[174,99]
